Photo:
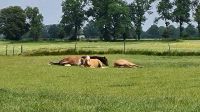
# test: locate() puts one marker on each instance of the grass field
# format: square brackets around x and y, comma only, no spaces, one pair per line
[183,45]
[28,84]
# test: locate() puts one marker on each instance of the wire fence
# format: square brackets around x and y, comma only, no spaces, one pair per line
[9,50]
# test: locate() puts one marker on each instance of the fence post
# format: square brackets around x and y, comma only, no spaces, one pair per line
[124,38]
[169,47]
[6,50]
[75,47]
[13,50]
[21,49]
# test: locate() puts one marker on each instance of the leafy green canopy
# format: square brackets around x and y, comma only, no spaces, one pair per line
[164,9]
[13,22]
[138,9]
[197,17]
[35,21]
[181,13]
[111,16]
[73,16]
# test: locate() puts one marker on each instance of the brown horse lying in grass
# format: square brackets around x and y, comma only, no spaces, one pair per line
[68,61]
[103,59]
[77,60]
[92,63]
[122,63]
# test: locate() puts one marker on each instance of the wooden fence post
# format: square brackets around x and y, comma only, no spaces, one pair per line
[75,47]
[6,50]
[124,38]
[21,49]
[169,47]
[13,50]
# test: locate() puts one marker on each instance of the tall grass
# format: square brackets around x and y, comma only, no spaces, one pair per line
[46,52]
[164,84]
[157,46]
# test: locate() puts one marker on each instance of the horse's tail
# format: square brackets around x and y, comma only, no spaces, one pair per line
[54,63]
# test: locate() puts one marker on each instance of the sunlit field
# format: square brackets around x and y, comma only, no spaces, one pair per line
[29,84]
[183,45]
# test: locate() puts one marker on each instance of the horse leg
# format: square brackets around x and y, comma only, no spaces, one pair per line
[100,65]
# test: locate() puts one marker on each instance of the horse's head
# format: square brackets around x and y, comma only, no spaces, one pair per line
[85,60]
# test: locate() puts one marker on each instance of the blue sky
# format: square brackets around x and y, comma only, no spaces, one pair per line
[52,10]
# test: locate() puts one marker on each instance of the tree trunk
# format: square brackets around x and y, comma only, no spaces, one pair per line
[181,29]
[138,35]
[106,34]
[34,37]
[198,28]
[138,30]
[124,38]
[113,34]
[74,37]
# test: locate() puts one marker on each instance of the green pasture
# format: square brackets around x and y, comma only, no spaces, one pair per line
[165,84]
[182,45]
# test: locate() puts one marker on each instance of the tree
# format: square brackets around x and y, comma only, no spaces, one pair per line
[34,19]
[181,13]
[138,8]
[132,33]
[197,18]
[53,31]
[13,22]
[153,31]
[99,11]
[144,34]
[120,19]
[45,33]
[91,30]
[73,16]
[111,16]
[161,31]
[173,31]
[164,9]
[190,30]
[61,32]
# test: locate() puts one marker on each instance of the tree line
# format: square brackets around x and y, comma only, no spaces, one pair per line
[90,31]
[106,19]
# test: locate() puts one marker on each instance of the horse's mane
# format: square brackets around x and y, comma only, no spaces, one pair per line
[103,59]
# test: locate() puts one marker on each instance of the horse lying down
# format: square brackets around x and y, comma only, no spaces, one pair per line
[103,59]
[122,63]
[78,60]
[68,61]
[92,63]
